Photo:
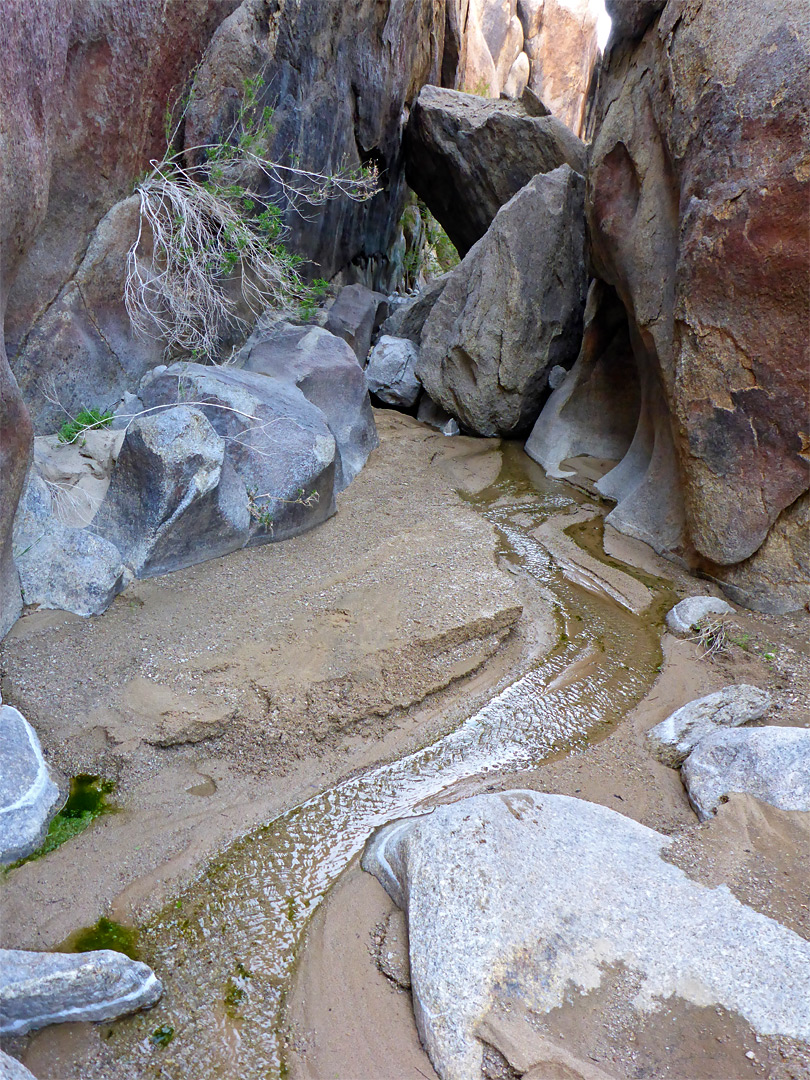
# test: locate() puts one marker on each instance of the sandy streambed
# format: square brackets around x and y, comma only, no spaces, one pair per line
[395,638]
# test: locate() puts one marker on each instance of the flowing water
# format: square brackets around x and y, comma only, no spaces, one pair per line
[225,950]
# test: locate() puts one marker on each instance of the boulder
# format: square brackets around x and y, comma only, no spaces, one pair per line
[37,988]
[562,48]
[63,567]
[630,18]
[694,611]
[327,372]
[408,319]
[355,315]
[11,1069]
[278,443]
[519,901]
[82,351]
[466,156]
[770,763]
[391,371]
[510,311]
[174,499]
[77,473]
[28,796]
[697,196]
[676,737]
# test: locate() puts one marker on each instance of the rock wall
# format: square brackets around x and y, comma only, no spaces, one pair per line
[697,210]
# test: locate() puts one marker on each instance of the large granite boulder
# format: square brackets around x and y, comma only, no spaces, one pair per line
[697,198]
[391,371]
[328,374]
[83,350]
[518,902]
[28,796]
[37,989]
[560,41]
[771,763]
[466,156]
[510,311]
[278,443]
[69,568]
[174,497]
[676,737]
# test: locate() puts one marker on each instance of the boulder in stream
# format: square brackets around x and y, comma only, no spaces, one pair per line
[686,616]
[519,903]
[511,310]
[676,737]
[28,796]
[37,988]
[770,763]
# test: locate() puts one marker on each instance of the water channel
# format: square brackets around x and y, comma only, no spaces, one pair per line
[225,950]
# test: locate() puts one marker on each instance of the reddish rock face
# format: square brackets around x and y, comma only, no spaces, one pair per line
[697,207]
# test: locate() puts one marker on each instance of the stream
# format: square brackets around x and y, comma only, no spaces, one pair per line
[226,949]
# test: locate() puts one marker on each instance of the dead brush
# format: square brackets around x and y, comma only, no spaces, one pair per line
[711,636]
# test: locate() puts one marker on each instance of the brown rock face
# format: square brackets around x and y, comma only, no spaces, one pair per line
[467,156]
[561,44]
[697,207]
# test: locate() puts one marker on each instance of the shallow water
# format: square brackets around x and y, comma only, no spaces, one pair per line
[226,949]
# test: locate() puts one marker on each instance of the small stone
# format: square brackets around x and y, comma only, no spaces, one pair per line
[685,616]
[39,988]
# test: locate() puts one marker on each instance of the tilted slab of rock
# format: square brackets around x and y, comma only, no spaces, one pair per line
[174,498]
[28,796]
[676,737]
[71,569]
[391,371]
[408,319]
[695,611]
[327,372]
[278,443]
[467,156]
[526,897]
[511,310]
[39,988]
[771,763]
[355,315]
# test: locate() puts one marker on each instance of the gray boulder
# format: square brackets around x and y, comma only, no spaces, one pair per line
[278,443]
[28,796]
[37,989]
[11,1069]
[521,900]
[771,763]
[694,610]
[62,567]
[511,310]
[391,371]
[327,372]
[408,319]
[676,737]
[174,499]
[355,315]
[434,416]
[466,156]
